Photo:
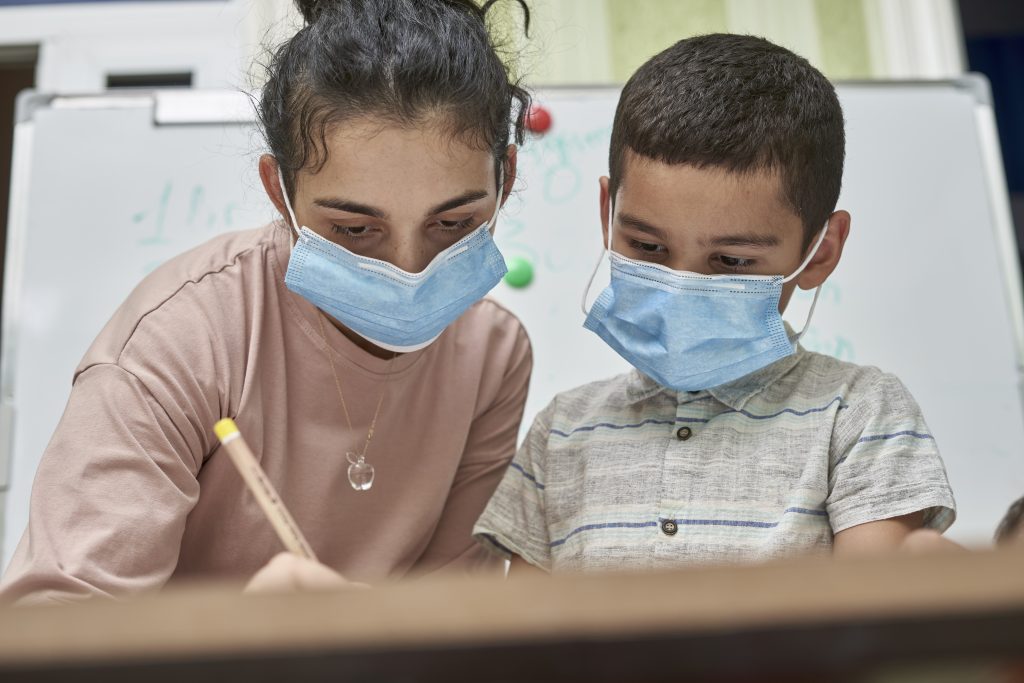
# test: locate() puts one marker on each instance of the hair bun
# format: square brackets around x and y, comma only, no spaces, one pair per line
[312,9]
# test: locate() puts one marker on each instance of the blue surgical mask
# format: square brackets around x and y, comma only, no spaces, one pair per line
[389,307]
[689,331]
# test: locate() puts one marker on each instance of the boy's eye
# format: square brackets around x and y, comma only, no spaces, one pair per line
[735,263]
[647,247]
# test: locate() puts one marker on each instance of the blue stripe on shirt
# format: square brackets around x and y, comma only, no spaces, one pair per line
[745,413]
[688,522]
[885,437]
[607,525]
[530,477]
[609,425]
[879,437]
[791,411]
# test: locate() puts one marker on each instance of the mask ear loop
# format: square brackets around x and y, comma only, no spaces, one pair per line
[817,290]
[287,204]
[600,259]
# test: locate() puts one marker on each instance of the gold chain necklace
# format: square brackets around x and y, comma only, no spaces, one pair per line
[360,472]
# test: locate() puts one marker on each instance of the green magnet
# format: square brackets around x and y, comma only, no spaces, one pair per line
[520,272]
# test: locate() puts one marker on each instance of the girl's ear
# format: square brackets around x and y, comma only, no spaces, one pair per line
[510,172]
[271,184]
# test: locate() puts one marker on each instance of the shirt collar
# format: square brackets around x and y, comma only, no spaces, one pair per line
[737,393]
[734,394]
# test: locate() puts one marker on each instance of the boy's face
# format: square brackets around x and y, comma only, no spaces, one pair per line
[714,222]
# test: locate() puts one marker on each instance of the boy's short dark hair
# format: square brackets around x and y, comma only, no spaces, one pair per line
[739,103]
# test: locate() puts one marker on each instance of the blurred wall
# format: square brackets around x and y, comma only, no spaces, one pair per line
[573,41]
[604,41]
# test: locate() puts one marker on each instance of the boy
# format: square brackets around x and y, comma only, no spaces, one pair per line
[729,442]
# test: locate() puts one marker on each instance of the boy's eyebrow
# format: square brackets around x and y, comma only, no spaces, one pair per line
[745,240]
[641,225]
[738,240]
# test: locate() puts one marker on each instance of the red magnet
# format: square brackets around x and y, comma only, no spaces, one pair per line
[538,119]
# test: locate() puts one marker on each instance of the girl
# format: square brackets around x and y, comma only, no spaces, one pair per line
[349,340]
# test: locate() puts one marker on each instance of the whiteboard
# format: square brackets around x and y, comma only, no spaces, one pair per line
[103,190]
[928,289]
[106,188]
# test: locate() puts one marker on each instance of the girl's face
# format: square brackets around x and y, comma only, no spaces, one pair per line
[401,195]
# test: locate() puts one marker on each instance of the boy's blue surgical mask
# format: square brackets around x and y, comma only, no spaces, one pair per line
[689,331]
[389,307]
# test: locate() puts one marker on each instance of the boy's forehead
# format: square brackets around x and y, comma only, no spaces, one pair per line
[709,199]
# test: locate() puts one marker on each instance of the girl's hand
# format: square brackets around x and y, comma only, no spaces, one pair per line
[288,572]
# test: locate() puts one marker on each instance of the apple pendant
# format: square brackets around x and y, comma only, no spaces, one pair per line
[360,472]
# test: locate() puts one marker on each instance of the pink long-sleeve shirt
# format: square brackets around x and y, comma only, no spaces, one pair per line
[133,490]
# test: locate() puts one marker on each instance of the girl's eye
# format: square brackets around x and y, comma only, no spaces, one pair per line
[647,247]
[735,263]
[455,226]
[351,230]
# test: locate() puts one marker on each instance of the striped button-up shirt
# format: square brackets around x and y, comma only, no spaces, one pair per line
[625,473]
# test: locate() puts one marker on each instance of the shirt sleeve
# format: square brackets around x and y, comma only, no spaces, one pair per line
[118,479]
[110,497]
[514,521]
[884,460]
[489,447]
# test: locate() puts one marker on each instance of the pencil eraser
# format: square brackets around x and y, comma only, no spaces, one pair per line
[225,428]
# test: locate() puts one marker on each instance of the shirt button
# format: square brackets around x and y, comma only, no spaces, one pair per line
[668,527]
[684,433]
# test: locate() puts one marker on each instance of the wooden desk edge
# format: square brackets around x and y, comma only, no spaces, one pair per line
[213,621]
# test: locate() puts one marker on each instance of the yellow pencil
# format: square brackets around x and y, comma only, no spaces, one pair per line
[257,481]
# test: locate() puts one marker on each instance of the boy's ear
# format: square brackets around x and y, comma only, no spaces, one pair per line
[605,202]
[831,250]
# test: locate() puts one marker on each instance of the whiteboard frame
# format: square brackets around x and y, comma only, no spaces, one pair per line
[28,103]
[1002,218]
[998,194]
[17,220]
[198,107]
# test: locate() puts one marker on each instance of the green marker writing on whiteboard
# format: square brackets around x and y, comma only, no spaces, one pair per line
[520,272]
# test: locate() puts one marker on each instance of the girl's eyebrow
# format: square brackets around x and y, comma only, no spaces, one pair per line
[454,202]
[339,204]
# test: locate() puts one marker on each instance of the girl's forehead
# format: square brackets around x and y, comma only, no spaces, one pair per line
[362,142]
[369,158]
